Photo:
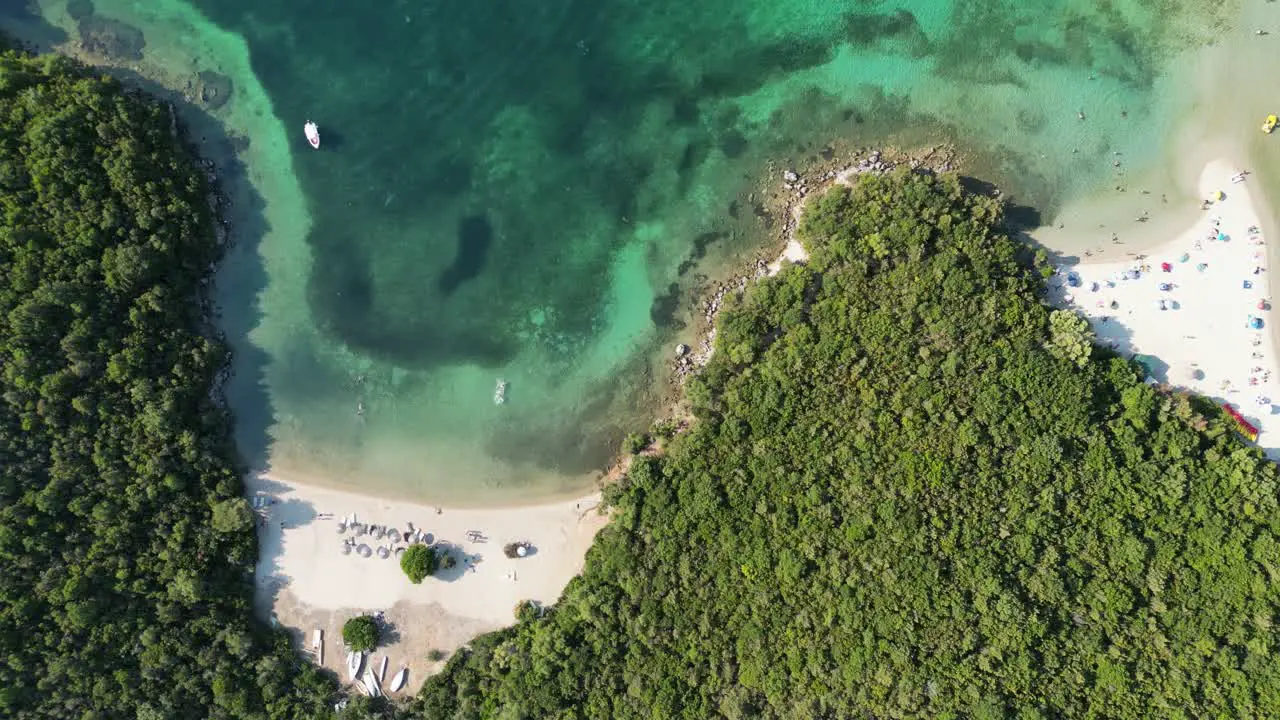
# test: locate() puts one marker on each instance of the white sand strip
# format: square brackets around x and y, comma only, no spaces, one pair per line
[301,550]
[1203,338]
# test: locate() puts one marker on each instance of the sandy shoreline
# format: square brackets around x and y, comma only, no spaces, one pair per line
[1188,304]
[306,579]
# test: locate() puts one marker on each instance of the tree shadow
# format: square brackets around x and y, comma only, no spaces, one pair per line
[22,27]
[271,521]
[388,632]
[240,278]
[464,562]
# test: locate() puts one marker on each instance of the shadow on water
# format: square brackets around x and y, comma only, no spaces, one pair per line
[330,140]
[22,27]
[241,277]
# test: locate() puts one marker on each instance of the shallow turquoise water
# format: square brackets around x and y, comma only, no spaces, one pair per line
[513,189]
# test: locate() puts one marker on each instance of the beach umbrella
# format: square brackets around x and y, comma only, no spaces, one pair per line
[342,527]
[383,552]
[1202,266]
[1246,284]
[1167,267]
[346,549]
[1185,257]
[364,550]
[1262,304]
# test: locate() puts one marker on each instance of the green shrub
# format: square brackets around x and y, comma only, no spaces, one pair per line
[360,633]
[418,562]
[634,443]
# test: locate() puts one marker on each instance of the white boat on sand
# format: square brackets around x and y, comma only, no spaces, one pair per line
[382,671]
[355,661]
[312,131]
[398,681]
[371,683]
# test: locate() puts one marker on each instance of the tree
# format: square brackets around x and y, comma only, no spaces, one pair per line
[1071,338]
[418,562]
[232,515]
[360,633]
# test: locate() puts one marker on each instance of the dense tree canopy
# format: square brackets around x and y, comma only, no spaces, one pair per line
[126,551]
[911,494]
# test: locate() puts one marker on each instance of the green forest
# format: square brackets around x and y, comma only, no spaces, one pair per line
[912,490]
[126,549]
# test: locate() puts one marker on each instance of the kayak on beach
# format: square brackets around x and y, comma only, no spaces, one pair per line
[313,134]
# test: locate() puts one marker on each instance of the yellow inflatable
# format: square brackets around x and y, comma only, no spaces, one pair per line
[1269,124]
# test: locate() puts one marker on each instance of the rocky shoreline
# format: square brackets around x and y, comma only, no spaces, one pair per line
[786,200]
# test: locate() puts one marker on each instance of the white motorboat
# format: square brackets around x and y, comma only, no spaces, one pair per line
[355,661]
[398,681]
[382,671]
[500,393]
[312,132]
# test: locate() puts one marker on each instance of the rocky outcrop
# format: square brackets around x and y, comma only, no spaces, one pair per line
[110,39]
[213,89]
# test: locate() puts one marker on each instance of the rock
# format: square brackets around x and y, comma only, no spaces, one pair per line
[79,9]
[790,176]
[681,350]
[215,89]
[111,38]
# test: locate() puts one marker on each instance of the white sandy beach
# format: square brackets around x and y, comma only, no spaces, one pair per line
[309,583]
[1203,338]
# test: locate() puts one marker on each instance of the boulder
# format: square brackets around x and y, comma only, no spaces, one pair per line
[111,38]
[214,88]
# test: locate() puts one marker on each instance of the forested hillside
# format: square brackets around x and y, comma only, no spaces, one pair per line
[126,550]
[909,494]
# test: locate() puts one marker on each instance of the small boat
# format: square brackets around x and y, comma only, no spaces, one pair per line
[500,393]
[313,134]
[398,681]
[1270,123]
[371,683]
[382,670]
[317,643]
[355,661]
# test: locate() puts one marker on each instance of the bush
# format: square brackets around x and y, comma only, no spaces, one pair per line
[361,633]
[418,562]
[634,443]
[527,611]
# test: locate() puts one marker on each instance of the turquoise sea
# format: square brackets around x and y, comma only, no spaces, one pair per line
[527,190]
